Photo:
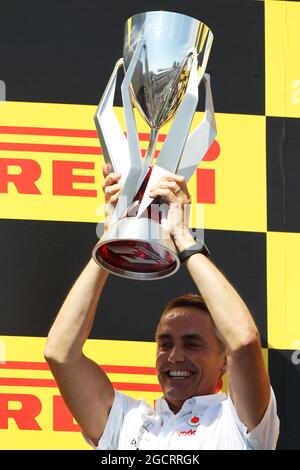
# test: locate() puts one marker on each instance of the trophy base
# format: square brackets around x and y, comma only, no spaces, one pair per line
[139,249]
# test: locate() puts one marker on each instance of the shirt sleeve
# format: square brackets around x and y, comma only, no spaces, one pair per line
[265,435]
[111,435]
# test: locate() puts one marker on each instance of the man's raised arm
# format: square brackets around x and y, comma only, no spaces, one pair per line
[249,384]
[248,379]
[84,386]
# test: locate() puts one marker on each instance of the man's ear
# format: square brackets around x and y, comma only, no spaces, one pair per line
[224,365]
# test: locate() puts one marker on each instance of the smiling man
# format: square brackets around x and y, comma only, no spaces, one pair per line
[199,338]
[191,358]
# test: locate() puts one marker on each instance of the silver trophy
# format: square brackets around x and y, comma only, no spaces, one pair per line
[164,59]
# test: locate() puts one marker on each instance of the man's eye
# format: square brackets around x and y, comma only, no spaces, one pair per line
[166,345]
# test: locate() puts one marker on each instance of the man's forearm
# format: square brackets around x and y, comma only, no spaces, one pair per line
[227,309]
[75,318]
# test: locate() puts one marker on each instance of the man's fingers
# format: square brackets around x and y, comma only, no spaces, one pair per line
[111,204]
[167,193]
[110,179]
[178,182]
[115,197]
[171,185]
[171,190]
[173,177]
[111,189]
[105,169]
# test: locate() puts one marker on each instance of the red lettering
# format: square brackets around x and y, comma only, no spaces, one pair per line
[190,432]
[206,178]
[62,418]
[63,178]
[206,186]
[24,181]
[213,152]
[25,416]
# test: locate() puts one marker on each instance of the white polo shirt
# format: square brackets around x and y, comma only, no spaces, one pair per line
[204,422]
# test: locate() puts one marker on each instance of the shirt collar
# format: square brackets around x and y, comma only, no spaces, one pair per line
[201,402]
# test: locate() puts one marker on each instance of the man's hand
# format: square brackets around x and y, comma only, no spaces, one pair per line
[111,189]
[173,189]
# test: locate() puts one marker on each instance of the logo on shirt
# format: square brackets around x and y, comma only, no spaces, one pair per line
[194,421]
[190,432]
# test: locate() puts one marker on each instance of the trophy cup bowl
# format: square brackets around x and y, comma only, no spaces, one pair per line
[164,59]
[160,78]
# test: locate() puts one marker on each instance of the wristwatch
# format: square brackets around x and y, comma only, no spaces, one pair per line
[198,247]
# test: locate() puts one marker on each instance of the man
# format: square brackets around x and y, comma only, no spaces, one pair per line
[199,338]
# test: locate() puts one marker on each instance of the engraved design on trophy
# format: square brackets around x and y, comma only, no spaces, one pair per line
[164,59]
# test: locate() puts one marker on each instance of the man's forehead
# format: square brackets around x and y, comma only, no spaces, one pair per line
[185,315]
[181,322]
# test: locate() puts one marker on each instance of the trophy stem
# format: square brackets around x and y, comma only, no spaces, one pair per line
[148,160]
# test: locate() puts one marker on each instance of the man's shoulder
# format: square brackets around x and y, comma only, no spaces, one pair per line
[130,404]
[210,401]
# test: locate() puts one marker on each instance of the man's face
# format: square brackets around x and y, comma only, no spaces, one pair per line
[188,360]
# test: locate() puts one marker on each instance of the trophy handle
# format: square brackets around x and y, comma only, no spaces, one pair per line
[122,154]
[137,170]
[206,56]
[201,138]
[170,154]
[111,135]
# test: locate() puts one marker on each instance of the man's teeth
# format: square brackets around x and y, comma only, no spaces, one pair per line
[179,373]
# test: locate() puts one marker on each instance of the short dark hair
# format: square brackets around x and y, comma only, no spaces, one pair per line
[197,301]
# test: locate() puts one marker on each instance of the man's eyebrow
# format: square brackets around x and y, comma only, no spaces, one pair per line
[164,336]
[192,336]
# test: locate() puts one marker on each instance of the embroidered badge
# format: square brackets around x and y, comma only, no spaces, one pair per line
[194,421]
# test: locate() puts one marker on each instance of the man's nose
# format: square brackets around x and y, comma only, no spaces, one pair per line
[177,354]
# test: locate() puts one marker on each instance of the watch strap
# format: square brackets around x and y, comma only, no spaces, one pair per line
[198,247]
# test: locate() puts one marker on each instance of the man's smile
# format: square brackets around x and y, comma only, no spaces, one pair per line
[180,374]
